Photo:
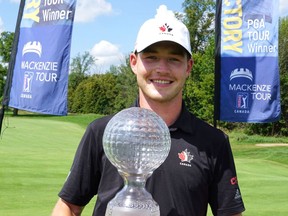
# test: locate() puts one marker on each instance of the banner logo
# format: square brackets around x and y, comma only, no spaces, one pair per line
[32,47]
[28,76]
[241,73]
[242,100]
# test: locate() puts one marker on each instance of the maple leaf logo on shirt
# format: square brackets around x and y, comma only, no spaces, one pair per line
[185,156]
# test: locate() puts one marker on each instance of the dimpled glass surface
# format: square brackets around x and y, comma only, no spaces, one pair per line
[136,141]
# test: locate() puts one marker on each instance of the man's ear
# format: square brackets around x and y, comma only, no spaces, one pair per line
[189,66]
[133,62]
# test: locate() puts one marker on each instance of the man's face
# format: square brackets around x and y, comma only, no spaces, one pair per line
[161,70]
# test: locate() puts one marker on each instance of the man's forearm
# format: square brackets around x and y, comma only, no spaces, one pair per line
[63,208]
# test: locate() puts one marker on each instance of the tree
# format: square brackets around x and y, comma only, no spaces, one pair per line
[79,70]
[6,42]
[82,63]
[199,88]
[283,62]
[281,127]
[199,19]
[3,72]
[105,93]
[96,94]
[198,93]
[126,86]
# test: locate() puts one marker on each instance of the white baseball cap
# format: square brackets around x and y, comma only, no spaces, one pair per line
[164,27]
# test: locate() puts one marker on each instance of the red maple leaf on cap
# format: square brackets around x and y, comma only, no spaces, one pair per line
[162,28]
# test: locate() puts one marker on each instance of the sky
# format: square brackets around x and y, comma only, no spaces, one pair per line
[105,28]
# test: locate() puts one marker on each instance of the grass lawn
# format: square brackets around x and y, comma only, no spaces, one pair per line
[36,153]
[35,156]
[263,186]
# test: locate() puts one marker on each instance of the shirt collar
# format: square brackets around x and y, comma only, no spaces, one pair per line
[185,122]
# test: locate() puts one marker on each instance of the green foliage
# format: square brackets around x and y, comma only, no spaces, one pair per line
[3,73]
[80,68]
[82,64]
[126,86]
[96,94]
[199,19]
[103,93]
[283,62]
[76,103]
[199,88]
[6,43]
[73,82]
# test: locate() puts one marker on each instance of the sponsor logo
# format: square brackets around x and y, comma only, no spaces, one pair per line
[234,181]
[237,194]
[32,47]
[242,100]
[241,73]
[28,76]
[27,85]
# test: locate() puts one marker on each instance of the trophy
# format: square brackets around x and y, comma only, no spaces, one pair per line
[136,141]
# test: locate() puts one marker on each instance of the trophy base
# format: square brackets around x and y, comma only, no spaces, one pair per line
[133,200]
[123,211]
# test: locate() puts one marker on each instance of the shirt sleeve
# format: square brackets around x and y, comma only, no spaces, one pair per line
[225,195]
[83,180]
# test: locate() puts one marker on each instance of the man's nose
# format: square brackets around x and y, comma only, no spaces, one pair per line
[163,66]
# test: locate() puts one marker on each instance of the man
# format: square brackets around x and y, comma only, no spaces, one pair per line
[199,169]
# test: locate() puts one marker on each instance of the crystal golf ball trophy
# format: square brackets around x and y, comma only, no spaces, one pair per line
[136,141]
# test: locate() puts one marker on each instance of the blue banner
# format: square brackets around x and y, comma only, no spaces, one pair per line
[249,73]
[40,77]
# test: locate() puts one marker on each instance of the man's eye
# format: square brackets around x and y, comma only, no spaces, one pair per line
[173,59]
[151,57]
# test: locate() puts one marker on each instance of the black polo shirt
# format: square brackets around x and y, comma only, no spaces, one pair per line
[198,170]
